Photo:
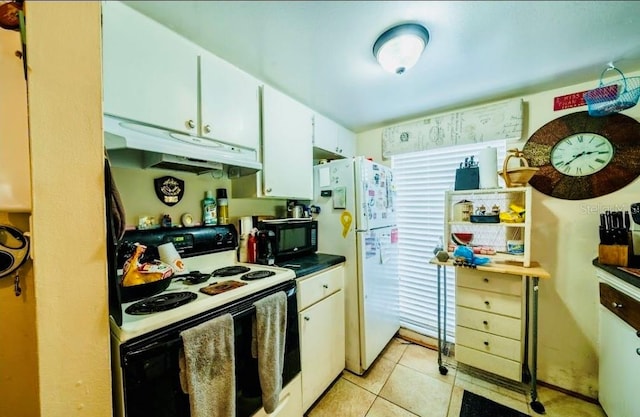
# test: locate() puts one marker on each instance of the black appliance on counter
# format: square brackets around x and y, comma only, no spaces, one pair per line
[283,239]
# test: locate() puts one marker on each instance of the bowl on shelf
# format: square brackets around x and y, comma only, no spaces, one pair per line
[517,177]
[462,238]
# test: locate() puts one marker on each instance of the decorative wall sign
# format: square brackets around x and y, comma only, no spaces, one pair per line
[480,124]
[169,190]
[572,100]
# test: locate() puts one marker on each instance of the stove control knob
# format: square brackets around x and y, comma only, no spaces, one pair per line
[218,238]
[228,237]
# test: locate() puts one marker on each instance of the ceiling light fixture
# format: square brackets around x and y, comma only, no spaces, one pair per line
[400,47]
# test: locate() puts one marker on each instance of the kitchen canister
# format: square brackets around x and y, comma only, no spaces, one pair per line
[462,211]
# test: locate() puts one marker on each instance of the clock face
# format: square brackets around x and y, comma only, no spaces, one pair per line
[581,156]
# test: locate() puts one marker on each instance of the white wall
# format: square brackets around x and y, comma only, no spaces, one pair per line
[564,241]
[68,225]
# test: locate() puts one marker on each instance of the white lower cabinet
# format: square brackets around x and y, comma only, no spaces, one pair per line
[489,325]
[290,404]
[321,321]
[619,347]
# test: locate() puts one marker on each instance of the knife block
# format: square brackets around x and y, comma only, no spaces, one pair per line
[615,255]
[467,179]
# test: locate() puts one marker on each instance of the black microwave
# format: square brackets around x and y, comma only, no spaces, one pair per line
[290,238]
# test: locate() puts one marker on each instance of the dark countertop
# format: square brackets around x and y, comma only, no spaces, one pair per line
[613,270]
[309,264]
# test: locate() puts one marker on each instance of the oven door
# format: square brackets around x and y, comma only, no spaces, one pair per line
[149,384]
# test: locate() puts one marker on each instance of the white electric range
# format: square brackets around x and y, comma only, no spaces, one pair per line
[220,269]
[146,344]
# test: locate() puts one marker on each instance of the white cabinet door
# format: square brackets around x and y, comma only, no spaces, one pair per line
[325,133]
[230,106]
[346,142]
[150,73]
[15,173]
[619,366]
[287,158]
[329,136]
[321,346]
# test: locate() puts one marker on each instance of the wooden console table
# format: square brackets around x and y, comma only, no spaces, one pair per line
[502,276]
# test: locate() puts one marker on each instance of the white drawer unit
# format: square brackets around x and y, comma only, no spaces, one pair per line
[315,288]
[490,281]
[489,326]
[322,331]
[507,305]
[488,322]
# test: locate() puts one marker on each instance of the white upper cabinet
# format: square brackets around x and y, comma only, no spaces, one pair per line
[346,142]
[331,140]
[150,73]
[15,172]
[287,158]
[230,103]
[154,76]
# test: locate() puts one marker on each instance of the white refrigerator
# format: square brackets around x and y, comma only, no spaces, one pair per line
[357,220]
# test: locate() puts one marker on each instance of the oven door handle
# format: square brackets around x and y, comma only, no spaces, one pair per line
[152,347]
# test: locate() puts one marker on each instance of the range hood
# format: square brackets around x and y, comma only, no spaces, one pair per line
[176,151]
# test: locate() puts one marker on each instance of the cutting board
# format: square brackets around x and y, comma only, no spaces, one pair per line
[220,287]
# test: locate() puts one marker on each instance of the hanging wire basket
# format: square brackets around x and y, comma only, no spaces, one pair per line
[614,96]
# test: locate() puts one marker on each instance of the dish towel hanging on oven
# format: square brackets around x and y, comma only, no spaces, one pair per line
[270,327]
[207,368]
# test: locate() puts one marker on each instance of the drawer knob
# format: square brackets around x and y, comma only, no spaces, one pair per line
[486,303]
[638,333]
[638,351]
[616,305]
[325,286]
[486,280]
[190,124]
[486,323]
[306,318]
[486,343]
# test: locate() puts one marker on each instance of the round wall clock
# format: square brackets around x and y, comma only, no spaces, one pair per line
[581,156]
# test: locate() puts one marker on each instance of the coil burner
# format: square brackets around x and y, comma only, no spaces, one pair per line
[161,302]
[257,275]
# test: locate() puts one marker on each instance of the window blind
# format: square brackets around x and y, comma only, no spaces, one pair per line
[421,179]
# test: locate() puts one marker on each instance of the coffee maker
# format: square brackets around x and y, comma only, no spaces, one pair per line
[264,247]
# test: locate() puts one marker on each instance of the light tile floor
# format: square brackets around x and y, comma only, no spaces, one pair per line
[405,382]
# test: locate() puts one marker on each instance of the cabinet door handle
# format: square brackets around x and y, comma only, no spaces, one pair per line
[487,303]
[616,305]
[638,333]
[268,190]
[486,343]
[638,351]
[486,323]
[325,286]
[486,280]
[306,318]
[206,129]
[190,124]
